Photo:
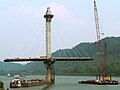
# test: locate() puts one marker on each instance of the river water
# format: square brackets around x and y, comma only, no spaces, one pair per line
[64,83]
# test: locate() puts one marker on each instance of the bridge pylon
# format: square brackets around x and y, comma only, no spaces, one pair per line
[48,16]
[50,75]
[49,64]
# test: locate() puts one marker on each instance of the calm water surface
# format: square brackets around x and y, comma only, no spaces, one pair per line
[64,83]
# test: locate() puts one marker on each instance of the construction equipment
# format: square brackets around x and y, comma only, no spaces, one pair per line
[103,78]
[101,46]
[102,52]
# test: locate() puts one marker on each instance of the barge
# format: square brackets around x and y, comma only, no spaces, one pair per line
[99,82]
[21,83]
[105,80]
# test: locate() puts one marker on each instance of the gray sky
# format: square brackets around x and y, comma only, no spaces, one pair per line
[22,26]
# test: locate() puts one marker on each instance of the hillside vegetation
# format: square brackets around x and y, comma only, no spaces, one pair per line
[73,68]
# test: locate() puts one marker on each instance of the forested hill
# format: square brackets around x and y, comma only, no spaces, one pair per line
[78,68]
[92,67]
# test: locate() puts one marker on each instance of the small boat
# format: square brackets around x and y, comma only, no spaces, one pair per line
[19,76]
[20,83]
[22,75]
[9,75]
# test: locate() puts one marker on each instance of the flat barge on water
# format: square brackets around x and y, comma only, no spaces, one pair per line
[104,80]
[20,83]
[97,82]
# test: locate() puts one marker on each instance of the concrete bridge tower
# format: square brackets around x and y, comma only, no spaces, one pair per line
[50,77]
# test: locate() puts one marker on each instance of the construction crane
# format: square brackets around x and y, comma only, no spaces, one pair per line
[101,48]
[103,78]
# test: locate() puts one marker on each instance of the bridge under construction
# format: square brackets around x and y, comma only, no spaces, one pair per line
[48,59]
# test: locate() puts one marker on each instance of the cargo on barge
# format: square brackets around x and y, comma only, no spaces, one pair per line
[19,83]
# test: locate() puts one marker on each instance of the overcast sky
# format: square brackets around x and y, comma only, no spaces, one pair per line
[22,25]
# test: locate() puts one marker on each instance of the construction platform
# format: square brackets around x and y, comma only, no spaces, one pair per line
[53,58]
[97,82]
[21,83]
[101,80]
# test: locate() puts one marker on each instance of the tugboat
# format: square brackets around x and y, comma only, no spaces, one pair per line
[20,83]
[103,78]
[1,85]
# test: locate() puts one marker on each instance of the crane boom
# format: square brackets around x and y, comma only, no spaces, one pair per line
[100,45]
[97,22]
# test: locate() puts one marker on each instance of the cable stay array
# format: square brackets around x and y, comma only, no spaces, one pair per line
[32,45]
[76,51]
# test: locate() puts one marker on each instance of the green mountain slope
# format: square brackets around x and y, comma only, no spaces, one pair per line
[8,67]
[74,68]
[92,67]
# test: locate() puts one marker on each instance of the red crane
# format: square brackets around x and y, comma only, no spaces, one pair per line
[101,47]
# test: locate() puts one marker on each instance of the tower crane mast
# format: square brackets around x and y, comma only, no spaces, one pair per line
[97,22]
[100,45]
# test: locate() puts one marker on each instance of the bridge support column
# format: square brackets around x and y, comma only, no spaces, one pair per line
[50,76]
[48,16]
